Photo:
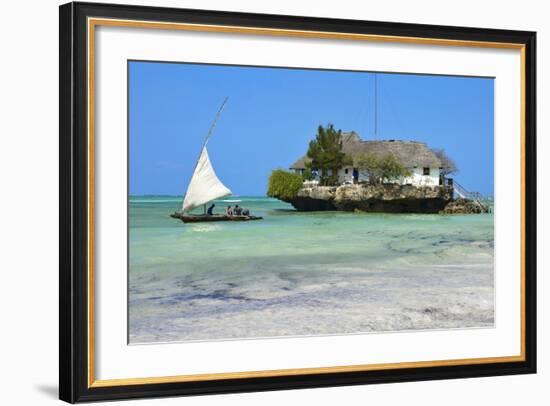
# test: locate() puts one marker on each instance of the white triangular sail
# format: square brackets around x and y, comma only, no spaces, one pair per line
[204,186]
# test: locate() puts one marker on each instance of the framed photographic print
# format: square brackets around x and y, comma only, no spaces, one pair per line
[257,202]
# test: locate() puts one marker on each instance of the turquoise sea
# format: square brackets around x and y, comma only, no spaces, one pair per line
[295,274]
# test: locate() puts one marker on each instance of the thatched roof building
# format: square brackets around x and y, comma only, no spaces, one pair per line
[426,166]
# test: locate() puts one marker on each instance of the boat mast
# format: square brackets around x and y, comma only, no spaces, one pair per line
[375,104]
[211,130]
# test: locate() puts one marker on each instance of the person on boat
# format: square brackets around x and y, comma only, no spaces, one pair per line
[237,210]
[246,212]
[229,211]
[211,209]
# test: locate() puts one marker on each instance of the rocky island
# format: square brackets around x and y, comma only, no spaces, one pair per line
[340,171]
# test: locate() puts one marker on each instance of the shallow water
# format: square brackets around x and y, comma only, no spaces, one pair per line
[304,273]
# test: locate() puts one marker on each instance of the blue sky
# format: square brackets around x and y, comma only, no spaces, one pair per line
[273,113]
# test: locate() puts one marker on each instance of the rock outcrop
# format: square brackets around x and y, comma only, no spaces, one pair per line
[387,198]
[464,206]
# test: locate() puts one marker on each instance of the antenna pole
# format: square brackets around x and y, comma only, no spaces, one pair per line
[211,130]
[375,105]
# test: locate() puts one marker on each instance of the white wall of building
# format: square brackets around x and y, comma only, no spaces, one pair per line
[417,176]
[348,177]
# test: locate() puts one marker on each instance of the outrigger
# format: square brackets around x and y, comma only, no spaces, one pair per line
[205,187]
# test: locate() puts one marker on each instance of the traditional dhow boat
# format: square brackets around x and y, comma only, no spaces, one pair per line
[214,217]
[205,187]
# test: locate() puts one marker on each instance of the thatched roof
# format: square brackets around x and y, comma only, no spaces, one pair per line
[409,153]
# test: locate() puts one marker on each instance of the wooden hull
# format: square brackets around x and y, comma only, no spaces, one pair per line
[213,218]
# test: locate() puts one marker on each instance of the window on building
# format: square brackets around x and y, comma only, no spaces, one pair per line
[426,171]
[346,171]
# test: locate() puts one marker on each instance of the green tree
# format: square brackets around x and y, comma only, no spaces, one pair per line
[326,155]
[381,169]
[370,164]
[392,169]
[284,185]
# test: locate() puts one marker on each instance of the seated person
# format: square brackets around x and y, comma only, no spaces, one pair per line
[210,209]
[229,211]
[237,210]
[246,212]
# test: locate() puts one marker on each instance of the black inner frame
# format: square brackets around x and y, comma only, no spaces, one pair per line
[73,244]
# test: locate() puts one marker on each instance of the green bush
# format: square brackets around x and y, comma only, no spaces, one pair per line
[283,184]
[381,168]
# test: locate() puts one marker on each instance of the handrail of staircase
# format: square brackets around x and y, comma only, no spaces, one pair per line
[475,197]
